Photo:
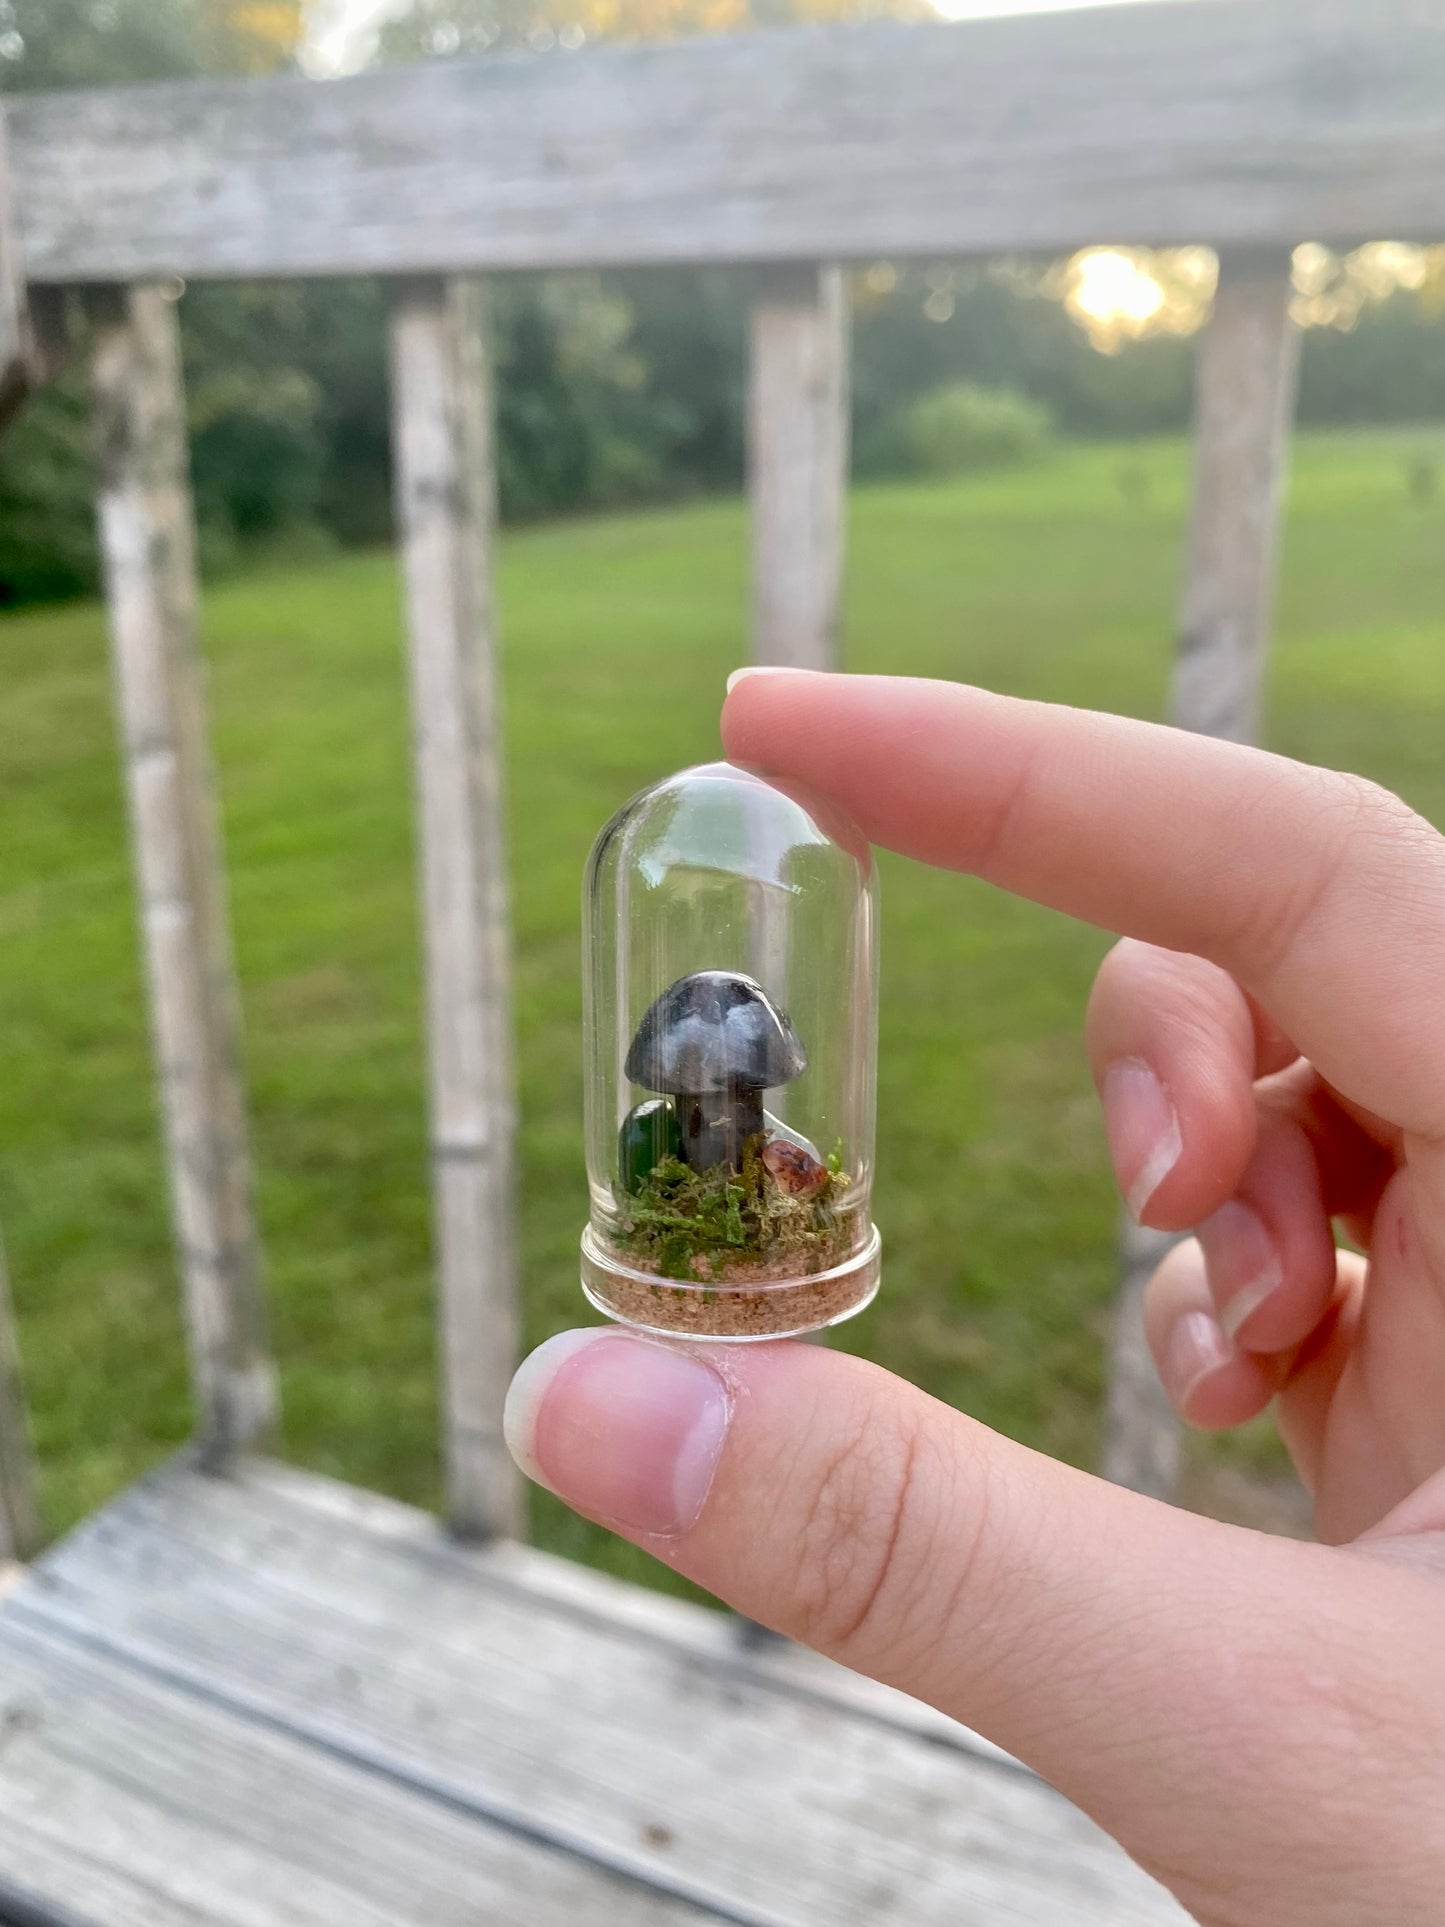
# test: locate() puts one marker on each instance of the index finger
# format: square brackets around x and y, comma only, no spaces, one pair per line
[1323,894]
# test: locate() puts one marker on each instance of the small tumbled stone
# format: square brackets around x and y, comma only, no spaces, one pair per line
[649,1134]
[776,1128]
[792,1170]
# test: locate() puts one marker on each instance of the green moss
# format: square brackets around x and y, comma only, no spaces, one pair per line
[677,1216]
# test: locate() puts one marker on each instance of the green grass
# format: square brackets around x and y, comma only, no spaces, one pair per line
[993,1193]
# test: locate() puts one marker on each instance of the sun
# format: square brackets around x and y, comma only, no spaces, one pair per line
[1118,295]
[1111,286]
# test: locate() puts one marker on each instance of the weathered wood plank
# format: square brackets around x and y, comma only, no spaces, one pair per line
[19,1511]
[148,553]
[1244,404]
[1244,401]
[446,509]
[1143,1441]
[313,1504]
[757,1798]
[17,346]
[798,463]
[1235,121]
[128,1802]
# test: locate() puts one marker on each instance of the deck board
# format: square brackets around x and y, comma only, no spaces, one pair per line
[128,1802]
[623,1735]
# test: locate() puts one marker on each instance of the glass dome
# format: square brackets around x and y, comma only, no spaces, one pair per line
[730,971]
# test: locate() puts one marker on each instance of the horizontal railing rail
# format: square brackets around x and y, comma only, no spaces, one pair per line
[1223,121]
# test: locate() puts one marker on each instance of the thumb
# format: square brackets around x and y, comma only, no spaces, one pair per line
[1200,1690]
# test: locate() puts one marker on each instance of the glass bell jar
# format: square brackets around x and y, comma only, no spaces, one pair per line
[730,971]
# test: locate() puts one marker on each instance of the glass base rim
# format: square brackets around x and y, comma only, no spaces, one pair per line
[863,1264]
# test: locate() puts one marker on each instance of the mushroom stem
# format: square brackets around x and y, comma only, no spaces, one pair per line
[715,1125]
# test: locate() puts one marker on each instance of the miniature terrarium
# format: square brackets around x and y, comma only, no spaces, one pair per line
[731,1016]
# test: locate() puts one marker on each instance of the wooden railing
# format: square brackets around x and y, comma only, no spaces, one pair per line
[1250,125]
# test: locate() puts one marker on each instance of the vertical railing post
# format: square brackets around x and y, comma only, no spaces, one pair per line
[19,1522]
[446,510]
[1244,408]
[1143,1443]
[798,462]
[147,542]
[19,1512]
[17,343]
[1245,387]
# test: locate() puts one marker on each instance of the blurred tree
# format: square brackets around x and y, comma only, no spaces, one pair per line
[259,35]
[77,43]
[256,416]
[46,531]
[428,28]
[627,386]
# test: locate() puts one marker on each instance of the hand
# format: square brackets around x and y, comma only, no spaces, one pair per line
[1260,1722]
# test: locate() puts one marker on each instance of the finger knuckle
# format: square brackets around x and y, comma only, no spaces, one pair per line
[1366,842]
[1139,985]
[877,1581]
[1392,856]
[1377,824]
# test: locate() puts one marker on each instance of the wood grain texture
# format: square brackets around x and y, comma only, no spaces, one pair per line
[126,1801]
[1244,404]
[1247,361]
[798,463]
[309,1502]
[446,511]
[147,548]
[1229,121]
[19,1510]
[763,1800]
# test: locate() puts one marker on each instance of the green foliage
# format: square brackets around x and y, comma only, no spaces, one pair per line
[79,43]
[47,535]
[253,407]
[577,426]
[964,429]
[426,29]
[696,1224]
[76,43]
[611,388]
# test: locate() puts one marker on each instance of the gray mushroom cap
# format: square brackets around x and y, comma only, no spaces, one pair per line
[713,1031]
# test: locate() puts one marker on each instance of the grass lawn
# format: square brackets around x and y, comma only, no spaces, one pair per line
[993,1192]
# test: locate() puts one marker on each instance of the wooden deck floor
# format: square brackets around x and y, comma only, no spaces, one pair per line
[269,1698]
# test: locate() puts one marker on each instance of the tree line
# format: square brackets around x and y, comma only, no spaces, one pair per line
[611,388]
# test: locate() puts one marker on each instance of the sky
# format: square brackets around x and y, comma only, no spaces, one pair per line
[340,30]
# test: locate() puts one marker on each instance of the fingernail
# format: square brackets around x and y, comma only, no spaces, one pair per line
[1196,1348]
[764,669]
[1243,1264]
[1142,1129]
[627,1431]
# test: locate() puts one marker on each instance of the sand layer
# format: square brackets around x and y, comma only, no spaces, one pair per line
[755,1299]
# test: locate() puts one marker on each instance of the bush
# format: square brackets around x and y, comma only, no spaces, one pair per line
[47,524]
[964,428]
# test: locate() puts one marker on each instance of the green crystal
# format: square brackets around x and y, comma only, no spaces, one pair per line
[649,1134]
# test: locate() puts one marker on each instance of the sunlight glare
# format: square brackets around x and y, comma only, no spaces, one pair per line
[1111,286]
